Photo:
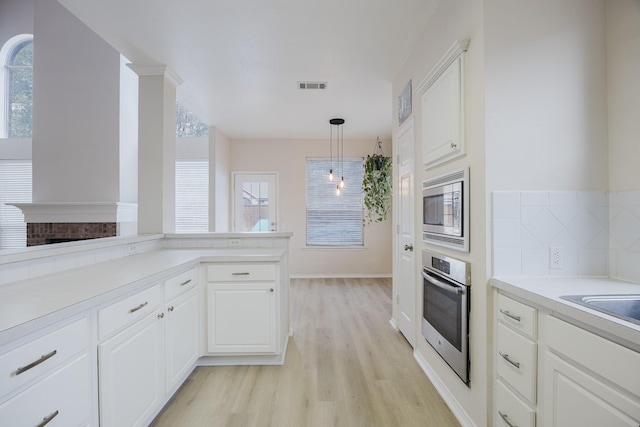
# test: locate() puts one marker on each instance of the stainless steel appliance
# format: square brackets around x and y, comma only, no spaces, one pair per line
[445,210]
[445,309]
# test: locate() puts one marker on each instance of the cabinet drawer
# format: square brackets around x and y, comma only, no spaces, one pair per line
[23,364]
[128,310]
[240,272]
[180,284]
[64,397]
[519,316]
[510,410]
[516,361]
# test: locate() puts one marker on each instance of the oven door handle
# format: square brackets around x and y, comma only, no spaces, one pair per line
[454,289]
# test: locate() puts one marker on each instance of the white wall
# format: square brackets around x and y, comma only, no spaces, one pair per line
[288,158]
[220,198]
[623,83]
[623,49]
[451,22]
[546,111]
[128,147]
[76,110]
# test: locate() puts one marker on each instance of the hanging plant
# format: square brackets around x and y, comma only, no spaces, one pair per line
[376,185]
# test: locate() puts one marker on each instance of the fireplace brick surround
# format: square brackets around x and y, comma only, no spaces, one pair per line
[58,232]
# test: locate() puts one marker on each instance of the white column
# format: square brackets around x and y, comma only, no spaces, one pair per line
[156,148]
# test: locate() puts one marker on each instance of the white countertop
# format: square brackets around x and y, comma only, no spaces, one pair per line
[545,293]
[28,305]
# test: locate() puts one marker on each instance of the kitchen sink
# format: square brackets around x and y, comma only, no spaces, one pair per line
[625,307]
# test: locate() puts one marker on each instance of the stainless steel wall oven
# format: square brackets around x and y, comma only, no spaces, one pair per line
[445,309]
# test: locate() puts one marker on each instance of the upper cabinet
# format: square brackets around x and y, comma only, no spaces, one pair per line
[442,93]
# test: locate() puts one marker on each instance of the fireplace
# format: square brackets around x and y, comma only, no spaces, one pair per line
[49,222]
[59,232]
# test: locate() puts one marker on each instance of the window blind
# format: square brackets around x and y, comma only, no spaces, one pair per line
[192,196]
[15,187]
[334,220]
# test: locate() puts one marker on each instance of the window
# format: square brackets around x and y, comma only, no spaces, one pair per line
[19,87]
[188,124]
[192,196]
[334,220]
[15,187]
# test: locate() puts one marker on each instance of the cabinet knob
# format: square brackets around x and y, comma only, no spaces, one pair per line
[170,308]
[270,290]
[161,315]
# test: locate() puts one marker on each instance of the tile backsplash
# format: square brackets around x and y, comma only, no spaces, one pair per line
[597,233]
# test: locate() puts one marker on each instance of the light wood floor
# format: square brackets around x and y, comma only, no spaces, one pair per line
[345,366]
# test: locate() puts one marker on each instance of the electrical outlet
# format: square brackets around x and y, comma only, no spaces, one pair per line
[555,258]
[234,242]
[132,248]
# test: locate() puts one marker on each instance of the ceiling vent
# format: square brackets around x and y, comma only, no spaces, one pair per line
[312,85]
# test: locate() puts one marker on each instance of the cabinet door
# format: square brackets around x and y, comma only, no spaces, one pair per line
[242,318]
[572,397]
[182,333]
[442,117]
[131,374]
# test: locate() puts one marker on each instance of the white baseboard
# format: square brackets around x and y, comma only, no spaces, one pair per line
[458,411]
[392,322]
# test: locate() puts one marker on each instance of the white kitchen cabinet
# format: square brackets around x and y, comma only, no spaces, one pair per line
[48,378]
[182,332]
[242,309]
[443,108]
[516,363]
[588,380]
[62,398]
[131,365]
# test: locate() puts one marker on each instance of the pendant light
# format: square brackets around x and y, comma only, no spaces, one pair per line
[339,152]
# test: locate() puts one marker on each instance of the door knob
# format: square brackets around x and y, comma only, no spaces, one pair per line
[408,248]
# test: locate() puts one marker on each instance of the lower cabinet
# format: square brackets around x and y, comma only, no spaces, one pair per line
[47,381]
[182,337]
[243,308]
[588,381]
[131,383]
[242,318]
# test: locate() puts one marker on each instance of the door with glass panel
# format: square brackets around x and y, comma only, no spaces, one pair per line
[255,201]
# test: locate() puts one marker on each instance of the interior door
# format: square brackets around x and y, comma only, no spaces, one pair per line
[406,289]
[255,201]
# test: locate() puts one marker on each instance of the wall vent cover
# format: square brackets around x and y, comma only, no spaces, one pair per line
[312,85]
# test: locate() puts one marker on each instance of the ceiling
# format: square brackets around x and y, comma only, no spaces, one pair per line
[241,60]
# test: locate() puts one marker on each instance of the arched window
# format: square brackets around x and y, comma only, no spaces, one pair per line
[17,55]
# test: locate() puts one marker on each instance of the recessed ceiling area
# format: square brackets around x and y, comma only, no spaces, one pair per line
[242,61]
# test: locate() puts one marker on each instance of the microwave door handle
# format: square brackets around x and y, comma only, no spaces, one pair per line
[454,289]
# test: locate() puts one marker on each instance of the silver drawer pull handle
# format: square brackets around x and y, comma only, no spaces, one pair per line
[133,310]
[240,274]
[508,359]
[512,316]
[47,420]
[44,358]
[186,282]
[506,419]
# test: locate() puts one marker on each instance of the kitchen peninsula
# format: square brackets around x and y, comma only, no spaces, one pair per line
[122,328]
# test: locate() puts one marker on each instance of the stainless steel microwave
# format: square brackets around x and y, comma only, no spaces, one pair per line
[445,210]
